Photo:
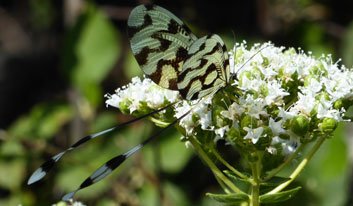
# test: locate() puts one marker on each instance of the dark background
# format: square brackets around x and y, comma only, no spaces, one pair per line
[58,59]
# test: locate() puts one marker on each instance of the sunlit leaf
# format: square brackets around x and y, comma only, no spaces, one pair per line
[92,49]
[42,122]
[242,184]
[275,181]
[11,147]
[12,173]
[131,66]
[229,198]
[332,163]
[279,196]
[149,195]
[174,154]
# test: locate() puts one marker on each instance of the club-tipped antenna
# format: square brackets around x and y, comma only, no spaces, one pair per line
[248,60]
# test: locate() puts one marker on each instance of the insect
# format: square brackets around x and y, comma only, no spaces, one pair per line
[174,58]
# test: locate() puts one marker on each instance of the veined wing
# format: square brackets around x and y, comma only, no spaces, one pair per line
[160,42]
[206,70]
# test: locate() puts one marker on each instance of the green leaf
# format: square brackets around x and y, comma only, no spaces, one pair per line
[229,198]
[12,174]
[174,154]
[347,46]
[175,194]
[97,49]
[149,195]
[275,181]
[241,183]
[131,67]
[279,197]
[233,176]
[80,164]
[11,147]
[314,37]
[43,121]
[91,50]
[331,162]
[104,120]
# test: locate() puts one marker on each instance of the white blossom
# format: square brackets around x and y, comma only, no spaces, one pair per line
[274,85]
[276,127]
[141,91]
[253,134]
[275,93]
[221,131]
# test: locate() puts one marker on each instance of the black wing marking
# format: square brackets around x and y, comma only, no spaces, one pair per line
[116,161]
[206,70]
[49,164]
[159,41]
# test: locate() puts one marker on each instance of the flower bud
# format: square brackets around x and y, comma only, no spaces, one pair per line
[252,157]
[144,108]
[256,73]
[218,119]
[248,121]
[299,125]
[328,125]
[338,104]
[290,83]
[124,107]
[233,135]
[290,51]
[323,95]
[246,74]
[263,90]
[318,70]
[265,61]
[284,136]
[342,103]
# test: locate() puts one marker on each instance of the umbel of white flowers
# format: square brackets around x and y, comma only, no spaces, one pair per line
[279,100]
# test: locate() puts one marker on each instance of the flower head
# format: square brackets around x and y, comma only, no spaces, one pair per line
[279,89]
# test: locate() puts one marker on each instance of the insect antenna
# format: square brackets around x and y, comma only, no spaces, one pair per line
[248,60]
[116,161]
[49,164]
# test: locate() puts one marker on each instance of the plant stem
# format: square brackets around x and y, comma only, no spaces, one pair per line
[219,175]
[255,186]
[225,163]
[287,161]
[300,167]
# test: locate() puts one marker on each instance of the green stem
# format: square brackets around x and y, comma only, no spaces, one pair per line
[285,163]
[159,122]
[225,163]
[219,175]
[300,167]
[255,186]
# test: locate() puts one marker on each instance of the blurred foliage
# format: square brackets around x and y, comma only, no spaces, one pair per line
[347,46]
[92,58]
[90,52]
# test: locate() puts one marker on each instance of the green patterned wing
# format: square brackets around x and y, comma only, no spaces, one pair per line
[160,42]
[173,57]
[206,70]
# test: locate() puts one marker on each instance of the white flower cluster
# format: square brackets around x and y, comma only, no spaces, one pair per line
[275,86]
[138,93]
